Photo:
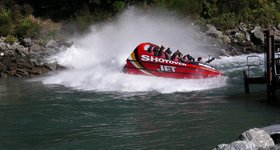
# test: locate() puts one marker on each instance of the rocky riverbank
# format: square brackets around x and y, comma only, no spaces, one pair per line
[267,138]
[243,39]
[27,57]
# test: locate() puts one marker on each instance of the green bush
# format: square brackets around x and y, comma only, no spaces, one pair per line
[225,21]
[82,20]
[265,16]
[6,22]
[11,39]
[119,6]
[27,27]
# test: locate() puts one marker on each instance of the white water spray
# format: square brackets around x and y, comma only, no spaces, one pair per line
[97,62]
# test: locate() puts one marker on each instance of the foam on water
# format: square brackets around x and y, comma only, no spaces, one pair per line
[95,63]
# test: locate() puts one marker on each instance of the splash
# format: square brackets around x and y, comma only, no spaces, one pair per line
[95,63]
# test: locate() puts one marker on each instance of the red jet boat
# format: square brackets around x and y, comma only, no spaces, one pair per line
[141,62]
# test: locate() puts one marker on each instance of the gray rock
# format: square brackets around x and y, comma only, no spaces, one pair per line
[248,36]
[225,39]
[4,75]
[2,67]
[35,48]
[27,42]
[278,26]
[220,147]
[240,37]
[9,53]
[213,32]
[258,34]
[258,136]
[52,44]
[11,47]
[2,54]
[243,27]
[23,51]
[275,147]
[22,72]
[237,145]
[35,61]
[35,55]
[273,129]
[2,39]
[274,132]
[3,46]
[51,66]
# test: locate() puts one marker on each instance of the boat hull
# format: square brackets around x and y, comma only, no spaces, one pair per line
[141,62]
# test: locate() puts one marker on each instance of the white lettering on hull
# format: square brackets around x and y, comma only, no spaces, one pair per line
[167,68]
[160,60]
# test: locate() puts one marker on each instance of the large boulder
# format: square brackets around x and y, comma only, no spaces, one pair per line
[257,35]
[252,139]
[52,44]
[258,136]
[35,48]
[274,132]
[27,42]
[237,145]
[3,46]
[51,66]
[213,32]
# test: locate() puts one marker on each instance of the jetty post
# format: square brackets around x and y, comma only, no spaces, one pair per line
[270,64]
[271,75]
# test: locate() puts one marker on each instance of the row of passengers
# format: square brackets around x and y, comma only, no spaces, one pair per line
[161,52]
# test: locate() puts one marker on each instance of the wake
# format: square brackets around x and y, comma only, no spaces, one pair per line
[96,61]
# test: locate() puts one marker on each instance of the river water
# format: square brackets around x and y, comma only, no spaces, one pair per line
[92,105]
[37,115]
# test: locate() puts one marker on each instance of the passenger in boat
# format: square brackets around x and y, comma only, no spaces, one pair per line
[150,49]
[210,60]
[156,50]
[176,56]
[161,52]
[199,59]
[168,53]
[185,59]
[188,58]
[161,48]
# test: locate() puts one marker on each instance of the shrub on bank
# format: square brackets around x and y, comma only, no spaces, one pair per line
[6,22]
[27,27]
[225,21]
[10,39]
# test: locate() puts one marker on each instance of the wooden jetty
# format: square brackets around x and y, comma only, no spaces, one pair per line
[271,75]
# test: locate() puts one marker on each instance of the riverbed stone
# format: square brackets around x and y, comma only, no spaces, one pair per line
[22,72]
[27,42]
[51,66]
[35,48]
[258,136]
[213,32]
[3,46]
[4,75]
[274,132]
[27,58]
[52,44]
[225,39]
[243,27]
[237,145]
[258,35]
[278,26]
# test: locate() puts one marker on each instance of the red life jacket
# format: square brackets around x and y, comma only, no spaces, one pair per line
[176,59]
[152,52]
[162,55]
[167,56]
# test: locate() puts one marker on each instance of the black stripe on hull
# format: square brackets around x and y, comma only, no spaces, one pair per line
[139,62]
